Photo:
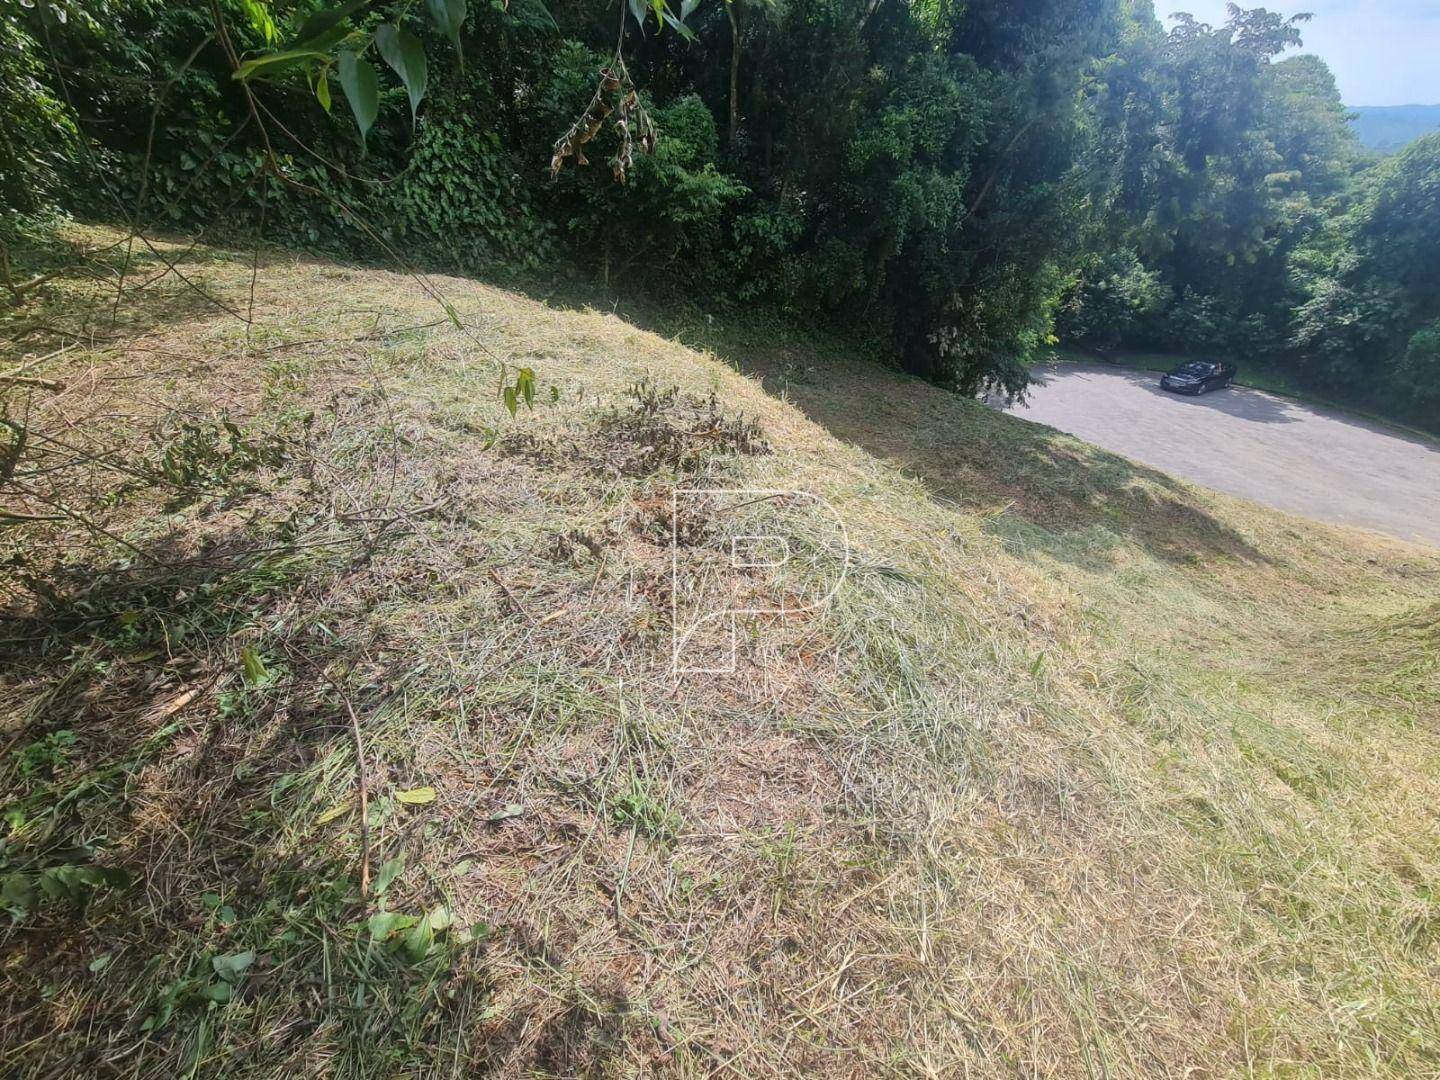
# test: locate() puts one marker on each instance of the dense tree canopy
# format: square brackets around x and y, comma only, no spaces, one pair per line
[955,183]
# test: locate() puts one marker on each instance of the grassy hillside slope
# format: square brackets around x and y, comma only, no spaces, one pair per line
[1082,771]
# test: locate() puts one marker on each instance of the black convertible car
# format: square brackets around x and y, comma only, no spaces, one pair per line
[1198,376]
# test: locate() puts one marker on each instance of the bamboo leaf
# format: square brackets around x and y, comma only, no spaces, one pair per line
[273,63]
[318,28]
[260,20]
[333,813]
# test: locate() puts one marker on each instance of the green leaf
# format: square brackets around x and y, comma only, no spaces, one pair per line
[404,53]
[390,869]
[680,28]
[100,963]
[525,384]
[253,667]
[274,63]
[506,812]
[523,10]
[232,966]
[362,90]
[511,402]
[418,941]
[658,6]
[448,16]
[322,89]
[477,932]
[637,9]
[687,8]
[218,992]
[416,796]
[334,812]
[260,20]
[385,923]
[17,893]
[324,22]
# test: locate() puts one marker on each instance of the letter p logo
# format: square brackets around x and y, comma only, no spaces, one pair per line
[746,554]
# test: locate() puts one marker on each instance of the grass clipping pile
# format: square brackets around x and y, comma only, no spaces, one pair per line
[338,732]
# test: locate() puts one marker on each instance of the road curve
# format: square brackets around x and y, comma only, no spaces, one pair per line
[1311,461]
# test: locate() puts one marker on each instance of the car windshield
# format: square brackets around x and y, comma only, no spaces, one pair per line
[1193,369]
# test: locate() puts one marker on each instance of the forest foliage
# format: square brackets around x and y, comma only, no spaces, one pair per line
[957,185]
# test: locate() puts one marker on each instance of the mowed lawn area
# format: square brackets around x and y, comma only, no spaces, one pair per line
[339,734]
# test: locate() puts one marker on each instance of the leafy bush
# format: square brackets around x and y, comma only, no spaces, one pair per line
[1370,289]
[664,228]
[1343,329]
[1417,375]
[1200,323]
[758,259]
[1111,300]
[37,133]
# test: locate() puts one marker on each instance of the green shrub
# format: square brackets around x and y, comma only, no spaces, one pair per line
[1111,299]
[664,229]
[37,132]
[1417,375]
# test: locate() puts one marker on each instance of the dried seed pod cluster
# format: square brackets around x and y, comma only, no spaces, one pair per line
[632,124]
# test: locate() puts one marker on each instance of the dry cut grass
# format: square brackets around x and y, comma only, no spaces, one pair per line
[1082,771]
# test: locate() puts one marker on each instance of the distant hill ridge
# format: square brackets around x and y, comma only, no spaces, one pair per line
[1389,127]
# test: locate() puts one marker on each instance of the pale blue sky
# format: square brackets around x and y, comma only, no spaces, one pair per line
[1383,52]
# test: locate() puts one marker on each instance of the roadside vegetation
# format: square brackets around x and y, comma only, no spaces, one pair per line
[339,735]
[959,187]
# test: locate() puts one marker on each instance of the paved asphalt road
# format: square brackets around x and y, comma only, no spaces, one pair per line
[1303,459]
